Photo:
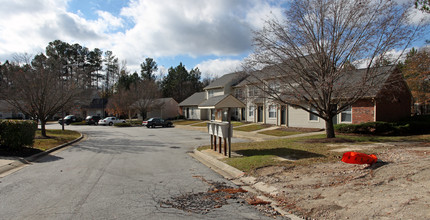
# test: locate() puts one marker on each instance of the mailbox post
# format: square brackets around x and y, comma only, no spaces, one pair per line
[221,131]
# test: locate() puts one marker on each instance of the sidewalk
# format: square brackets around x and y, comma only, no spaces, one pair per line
[253,135]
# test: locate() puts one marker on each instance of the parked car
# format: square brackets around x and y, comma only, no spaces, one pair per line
[69,119]
[153,122]
[92,120]
[110,121]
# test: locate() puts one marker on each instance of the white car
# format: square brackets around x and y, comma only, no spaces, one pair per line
[110,121]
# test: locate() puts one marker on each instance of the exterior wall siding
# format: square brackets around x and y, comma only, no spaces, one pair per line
[299,118]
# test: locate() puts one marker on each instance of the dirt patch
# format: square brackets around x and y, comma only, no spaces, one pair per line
[218,195]
[396,189]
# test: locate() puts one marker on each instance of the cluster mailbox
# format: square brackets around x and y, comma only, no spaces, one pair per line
[222,130]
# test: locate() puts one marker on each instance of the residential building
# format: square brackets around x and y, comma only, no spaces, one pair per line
[164,108]
[384,102]
[190,107]
[203,105]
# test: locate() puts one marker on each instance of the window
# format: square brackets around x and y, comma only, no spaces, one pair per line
[346,115]
[210,93]
[272,111]
[238,93]
[192,111]
[252,91]
[313,117]
[251,111]
[274,86]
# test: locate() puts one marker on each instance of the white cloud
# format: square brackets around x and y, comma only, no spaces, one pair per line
[146,28]
[219,67]
[188,27]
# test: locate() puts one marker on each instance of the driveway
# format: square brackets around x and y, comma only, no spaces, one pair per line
[116,173]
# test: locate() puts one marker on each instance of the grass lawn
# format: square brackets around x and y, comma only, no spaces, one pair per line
[237,123]
[279,133]
[56,137]
[201,124]
[185,122]
[253,127]
[303,150]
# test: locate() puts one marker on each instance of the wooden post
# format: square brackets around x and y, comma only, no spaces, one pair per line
[225,147]
[212,143]
[229,134]
[215,143]
[220,145]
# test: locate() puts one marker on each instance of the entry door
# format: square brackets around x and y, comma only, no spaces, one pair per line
[283,115]
[260,114]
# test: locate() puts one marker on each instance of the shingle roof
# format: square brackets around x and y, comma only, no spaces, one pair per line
[226,80]
[194,99]
[222,101]
[212,101]
[352,77]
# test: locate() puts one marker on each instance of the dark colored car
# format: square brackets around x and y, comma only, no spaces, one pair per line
[153,122]
[69,119]
[92,120]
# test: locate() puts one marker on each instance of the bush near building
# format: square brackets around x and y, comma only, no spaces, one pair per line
[415,125]
[15,133]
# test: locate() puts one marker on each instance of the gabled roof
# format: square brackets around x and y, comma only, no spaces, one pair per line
[194,100]
[230,79]
[222,101]
[350,78]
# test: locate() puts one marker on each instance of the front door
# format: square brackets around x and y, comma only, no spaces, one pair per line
[283,115]
[260,113]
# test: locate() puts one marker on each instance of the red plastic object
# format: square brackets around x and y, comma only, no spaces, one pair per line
[359,158]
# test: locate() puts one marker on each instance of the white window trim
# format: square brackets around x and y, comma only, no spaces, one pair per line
[210,93]
[274,112]
[251,110]
[309,116]
[340,116]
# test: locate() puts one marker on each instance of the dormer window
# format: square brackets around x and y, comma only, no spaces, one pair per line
[210,93]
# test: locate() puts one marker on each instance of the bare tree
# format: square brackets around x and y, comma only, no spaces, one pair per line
[39,89]
[311,50]
[121,103]
[146,93]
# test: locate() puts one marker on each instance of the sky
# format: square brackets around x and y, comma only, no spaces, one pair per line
[213,35]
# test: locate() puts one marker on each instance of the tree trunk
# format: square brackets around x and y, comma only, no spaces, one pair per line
[43,129]
[329,128]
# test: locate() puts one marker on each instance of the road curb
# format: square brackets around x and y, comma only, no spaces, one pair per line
[237,177]
[227,171]
[32,158]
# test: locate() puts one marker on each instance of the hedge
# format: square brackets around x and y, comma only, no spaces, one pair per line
[122,125]
[17,133]
[412,125]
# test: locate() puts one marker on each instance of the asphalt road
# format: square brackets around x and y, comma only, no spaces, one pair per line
[116,173]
